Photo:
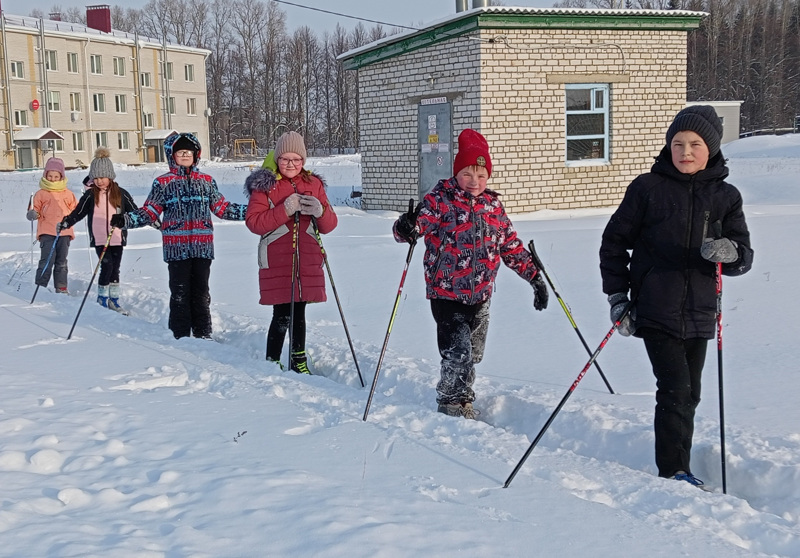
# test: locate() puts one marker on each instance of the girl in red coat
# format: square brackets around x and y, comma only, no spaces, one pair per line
[284,209]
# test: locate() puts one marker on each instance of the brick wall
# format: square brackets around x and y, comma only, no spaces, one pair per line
[512,90]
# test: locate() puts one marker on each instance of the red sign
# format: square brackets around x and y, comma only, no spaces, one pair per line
[35,104]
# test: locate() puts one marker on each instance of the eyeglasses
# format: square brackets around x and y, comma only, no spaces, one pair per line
[184,153]
[293,162]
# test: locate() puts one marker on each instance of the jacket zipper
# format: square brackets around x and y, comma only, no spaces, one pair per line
[686,252]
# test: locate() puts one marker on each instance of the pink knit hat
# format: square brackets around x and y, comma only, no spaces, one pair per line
[55,164]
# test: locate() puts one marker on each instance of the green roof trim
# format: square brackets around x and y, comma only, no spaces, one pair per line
[552,19]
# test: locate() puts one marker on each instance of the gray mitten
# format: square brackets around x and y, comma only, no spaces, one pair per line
[618,302]
[32,215]
[309,205]
[723,250]
[292,204]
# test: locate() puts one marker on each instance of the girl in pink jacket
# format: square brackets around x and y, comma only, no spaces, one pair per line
[284,208]
[50,204]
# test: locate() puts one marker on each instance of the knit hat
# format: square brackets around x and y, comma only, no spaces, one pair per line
[101,166]
[701,119]
[290,142]
[55,164]
[473,150]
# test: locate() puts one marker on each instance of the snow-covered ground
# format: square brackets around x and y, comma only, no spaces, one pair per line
[126,442]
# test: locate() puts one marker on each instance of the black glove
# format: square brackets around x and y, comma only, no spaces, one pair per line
[722,250]
[618,303]
[118,221]
[406,225]
[61,226]
[540,294]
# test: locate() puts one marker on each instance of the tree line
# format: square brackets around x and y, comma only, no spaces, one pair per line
[264,79]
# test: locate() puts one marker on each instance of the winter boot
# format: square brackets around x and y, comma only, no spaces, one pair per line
[62,290]
[691,479]
[459,410]
[102,295]
[113,298]
[300,362]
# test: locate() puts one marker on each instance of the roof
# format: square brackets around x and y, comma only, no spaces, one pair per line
[36,134]
[501,17]
[155,135]
[52,27]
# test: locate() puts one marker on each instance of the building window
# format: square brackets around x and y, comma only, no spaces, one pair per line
[96,64]
[191,107]
[20,118]
[168,71]
[147,119]
[100,139]
[188,72]
[122,141]
[99,102]
[75,102]
[587,122]
[56,146]
[72,62]
[77,141]
[145,79]
[51,60]
[54,101]
[171,105]
[17,70]
[121,103]
[119,66]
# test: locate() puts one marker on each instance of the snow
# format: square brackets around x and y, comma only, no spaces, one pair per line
[126,442]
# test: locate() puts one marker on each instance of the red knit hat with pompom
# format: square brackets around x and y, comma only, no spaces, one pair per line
[473,150]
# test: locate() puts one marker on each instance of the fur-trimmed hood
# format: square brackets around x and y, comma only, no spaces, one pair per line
[263,180]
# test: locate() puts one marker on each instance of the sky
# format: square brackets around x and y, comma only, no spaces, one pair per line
[398,12]
[125,442]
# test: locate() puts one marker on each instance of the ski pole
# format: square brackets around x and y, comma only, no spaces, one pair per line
[46,265]
[89,287]
[569,393]
[564,307]
[33,238]
[295,262]
[391,319]
[336,295]
[19,265]
[719,375]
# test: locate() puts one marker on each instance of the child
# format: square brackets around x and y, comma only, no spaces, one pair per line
[678,220]
[284,208]
[50,204]
[187,198]
[102,199]
[467,233]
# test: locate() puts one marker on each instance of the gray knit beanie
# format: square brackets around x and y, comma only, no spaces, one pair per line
[702,120]
[290,142]
[101,166]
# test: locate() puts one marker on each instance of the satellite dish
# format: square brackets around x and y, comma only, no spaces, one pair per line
[207,112]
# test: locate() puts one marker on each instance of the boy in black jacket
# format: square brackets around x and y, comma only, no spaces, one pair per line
[678,221]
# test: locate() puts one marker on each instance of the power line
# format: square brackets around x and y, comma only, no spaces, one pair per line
[345,15]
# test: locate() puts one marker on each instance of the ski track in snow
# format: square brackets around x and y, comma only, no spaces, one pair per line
[234,361]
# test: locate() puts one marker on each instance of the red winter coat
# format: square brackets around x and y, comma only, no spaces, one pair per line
[267,217]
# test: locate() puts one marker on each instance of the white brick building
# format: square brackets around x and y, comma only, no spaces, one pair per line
[574,103]
[68,88]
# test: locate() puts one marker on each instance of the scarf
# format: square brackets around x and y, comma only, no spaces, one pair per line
[57,186]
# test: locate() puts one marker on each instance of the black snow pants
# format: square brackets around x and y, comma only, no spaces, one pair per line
[678,367]
[461,335]
[190,300]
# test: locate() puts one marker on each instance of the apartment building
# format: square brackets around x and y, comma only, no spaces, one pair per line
[68,88]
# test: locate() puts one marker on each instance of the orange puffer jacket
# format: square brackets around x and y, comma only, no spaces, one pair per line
[52,206]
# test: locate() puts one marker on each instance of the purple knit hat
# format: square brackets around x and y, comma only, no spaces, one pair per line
[55,164]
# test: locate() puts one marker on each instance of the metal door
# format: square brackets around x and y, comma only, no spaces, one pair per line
[25,156]
[435,137]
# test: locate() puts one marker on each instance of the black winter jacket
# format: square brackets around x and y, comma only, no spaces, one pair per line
[85,208]
[662,220]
